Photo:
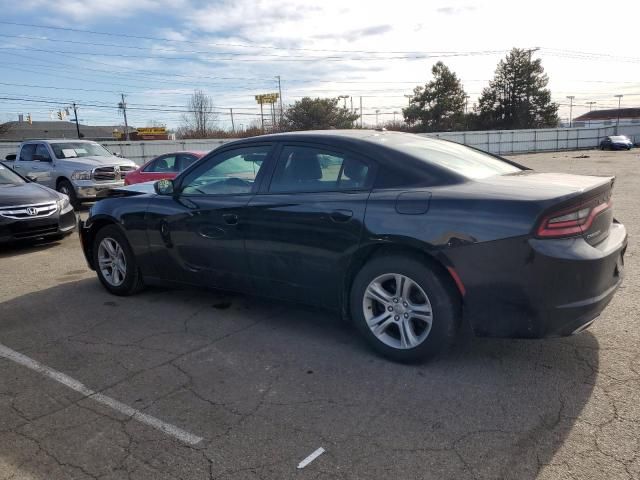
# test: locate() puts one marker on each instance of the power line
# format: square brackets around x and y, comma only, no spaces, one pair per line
[238,45]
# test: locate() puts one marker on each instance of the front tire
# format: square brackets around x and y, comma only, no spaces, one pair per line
[405,310]
[115,262]
[65,187]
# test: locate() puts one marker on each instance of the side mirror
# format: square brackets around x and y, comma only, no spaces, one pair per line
[163,187]
[117,154]
[11,157]
[31,178]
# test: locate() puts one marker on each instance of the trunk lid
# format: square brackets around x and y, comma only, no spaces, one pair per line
[557,196]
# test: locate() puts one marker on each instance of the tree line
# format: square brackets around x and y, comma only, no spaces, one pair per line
[516,98]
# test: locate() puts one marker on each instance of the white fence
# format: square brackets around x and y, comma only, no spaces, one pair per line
[501,142]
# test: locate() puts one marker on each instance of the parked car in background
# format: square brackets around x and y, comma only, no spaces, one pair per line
[168,166]
[78,168]
[406,235]
[32,211]
[616,142]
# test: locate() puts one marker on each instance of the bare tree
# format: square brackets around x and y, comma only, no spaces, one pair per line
[199,120]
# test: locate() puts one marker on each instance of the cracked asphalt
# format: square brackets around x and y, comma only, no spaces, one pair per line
[266,383]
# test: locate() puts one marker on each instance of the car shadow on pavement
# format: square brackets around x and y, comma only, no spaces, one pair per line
[26,247]
[266,383]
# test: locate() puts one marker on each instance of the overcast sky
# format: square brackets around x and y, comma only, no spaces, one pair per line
[158,51]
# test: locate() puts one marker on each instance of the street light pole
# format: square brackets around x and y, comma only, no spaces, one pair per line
[619,97]
[570,97]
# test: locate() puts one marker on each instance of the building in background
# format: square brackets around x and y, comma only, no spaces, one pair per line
[608,118]
[22,130]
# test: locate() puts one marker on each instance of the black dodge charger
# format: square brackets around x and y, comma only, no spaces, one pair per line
[406,236]
[32,211]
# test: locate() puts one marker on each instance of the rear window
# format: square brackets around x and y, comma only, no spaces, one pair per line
[462,160]
[620,138]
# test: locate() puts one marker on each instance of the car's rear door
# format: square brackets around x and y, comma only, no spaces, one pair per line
[302,228]
[195,236]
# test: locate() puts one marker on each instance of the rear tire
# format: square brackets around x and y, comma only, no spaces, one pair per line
[115,262]
[65,187]
[413,322]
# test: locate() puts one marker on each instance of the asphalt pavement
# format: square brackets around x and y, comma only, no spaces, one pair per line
[195,384]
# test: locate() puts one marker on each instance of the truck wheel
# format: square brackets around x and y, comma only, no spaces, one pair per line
[65,187]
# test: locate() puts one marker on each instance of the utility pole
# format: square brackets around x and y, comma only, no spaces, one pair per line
[591,104]
[394,116]
[409,97]
[360,111]
[75,113]
[351,100]
[570,97]
[531,50]
[261,117]
[619,97]
[377,111]
[280,97]
[123,106]
[233,127]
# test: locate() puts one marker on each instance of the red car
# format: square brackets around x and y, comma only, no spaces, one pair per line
[167,165]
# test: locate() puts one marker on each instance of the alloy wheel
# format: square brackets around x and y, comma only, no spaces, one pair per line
[397,311]
[112,262]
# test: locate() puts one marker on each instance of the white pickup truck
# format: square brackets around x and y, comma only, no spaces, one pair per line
[77,168]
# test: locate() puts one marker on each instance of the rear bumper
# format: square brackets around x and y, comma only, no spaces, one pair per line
[532,288]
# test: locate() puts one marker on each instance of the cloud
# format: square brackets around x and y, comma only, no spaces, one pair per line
[70,11]
[455,10]
[356,34]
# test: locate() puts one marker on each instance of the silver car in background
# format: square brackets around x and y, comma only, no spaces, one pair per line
[78,168]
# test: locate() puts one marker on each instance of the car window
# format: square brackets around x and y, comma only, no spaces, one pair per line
[8,177]
[42,150]
[79,149]
[465,161]
[27,151]
[185,161]
[166,164]
[311,169]
[229,172]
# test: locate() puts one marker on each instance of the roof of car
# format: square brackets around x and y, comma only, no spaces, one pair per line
[352,137]
[60,140]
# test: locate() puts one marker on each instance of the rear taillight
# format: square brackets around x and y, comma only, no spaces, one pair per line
[572,221]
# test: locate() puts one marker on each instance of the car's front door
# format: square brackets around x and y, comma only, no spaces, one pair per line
[42,166]
[302,229]
[35,161]
[195,236]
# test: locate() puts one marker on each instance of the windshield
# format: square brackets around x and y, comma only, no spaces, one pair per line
[7,177]
[462,160]
[79,149]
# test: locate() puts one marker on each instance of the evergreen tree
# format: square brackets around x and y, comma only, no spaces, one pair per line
[517,96]
[318,114]
[439,105]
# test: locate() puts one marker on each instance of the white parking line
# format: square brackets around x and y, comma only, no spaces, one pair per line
[311,458]
[73,384]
